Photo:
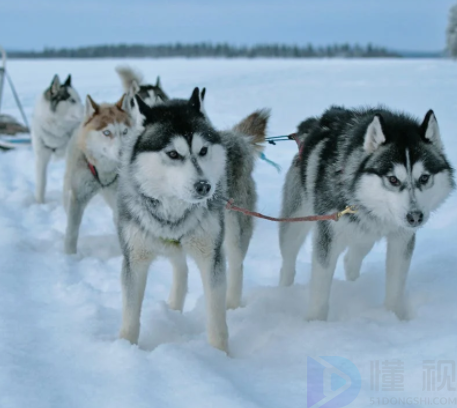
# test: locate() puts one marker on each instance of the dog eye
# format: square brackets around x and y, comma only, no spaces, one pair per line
[174,155]
[72,100]
[107,132]
[125,131]
[424,178]
[394,181]
[203,151]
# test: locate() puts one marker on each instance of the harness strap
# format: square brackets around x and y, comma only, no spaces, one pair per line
[350,209]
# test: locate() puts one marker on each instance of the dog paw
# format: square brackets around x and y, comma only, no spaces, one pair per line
[129,335]
[219,340]
[317,315]
[287,277]
[233,303]
[352,275]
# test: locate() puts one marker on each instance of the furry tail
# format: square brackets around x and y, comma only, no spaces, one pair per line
[255,125]
[129,77]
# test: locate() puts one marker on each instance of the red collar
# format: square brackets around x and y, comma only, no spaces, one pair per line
[93,170]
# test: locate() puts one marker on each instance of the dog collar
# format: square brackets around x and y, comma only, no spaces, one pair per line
[170,241]
[94,172]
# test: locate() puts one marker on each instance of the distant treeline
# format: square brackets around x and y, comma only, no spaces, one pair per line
[210,50]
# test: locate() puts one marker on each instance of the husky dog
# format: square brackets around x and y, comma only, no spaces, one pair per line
[92,162]
[171,179]
[151,94]
[57,114]
[391,167]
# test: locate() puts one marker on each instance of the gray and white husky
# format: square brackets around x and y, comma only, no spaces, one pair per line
[133,79]
[93,161]
[58,112]
[391,167]
[171,179]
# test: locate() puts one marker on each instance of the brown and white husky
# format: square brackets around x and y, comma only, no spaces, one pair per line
[92,162]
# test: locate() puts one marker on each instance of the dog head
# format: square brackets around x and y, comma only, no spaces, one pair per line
[152,94]
[405,175]
[178,153]
[63,100]
[105,125]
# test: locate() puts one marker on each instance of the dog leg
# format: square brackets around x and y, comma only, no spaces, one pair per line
[400,249]
[134,276]
[42,158]
[236,245]
[291,238]
[76,204]
[179,288]
[110,197]
[326,249]
[207,252]
[354,257]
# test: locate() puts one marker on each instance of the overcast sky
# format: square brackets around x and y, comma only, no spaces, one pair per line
[417,25]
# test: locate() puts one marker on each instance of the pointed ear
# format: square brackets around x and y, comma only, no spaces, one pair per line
[430,131]
[196,100]
[142,107]
[203,93]
[68,81]
[126,101]
[120,102]
[374,136]
[134,88]
[91,107]
[55,84]
[158,83]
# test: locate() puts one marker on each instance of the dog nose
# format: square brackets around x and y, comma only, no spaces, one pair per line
[202,188]
[415,218]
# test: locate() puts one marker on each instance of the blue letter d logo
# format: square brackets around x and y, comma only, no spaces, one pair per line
[332,382]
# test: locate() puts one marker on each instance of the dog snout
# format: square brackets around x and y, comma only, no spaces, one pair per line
[415,218]
[202,188]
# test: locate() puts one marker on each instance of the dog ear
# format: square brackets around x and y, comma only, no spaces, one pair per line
[91,107]
[120,102]
[430,131]
[55,84]
[374,136]
[68,81]
[203,93]
[158,83]
[196,101]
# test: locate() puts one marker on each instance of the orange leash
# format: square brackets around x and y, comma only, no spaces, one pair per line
[330,217]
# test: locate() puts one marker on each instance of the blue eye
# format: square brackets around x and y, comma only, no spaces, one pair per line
[107,133]
[125,131]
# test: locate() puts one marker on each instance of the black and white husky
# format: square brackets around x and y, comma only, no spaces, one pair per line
[58,112]
[93,161]
[133,79]
[390,166]
[171,179]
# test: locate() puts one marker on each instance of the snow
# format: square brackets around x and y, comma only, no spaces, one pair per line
[60,315]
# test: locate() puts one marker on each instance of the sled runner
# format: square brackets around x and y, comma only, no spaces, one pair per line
[9,126]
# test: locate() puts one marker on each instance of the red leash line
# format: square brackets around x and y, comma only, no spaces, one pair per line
[330,217]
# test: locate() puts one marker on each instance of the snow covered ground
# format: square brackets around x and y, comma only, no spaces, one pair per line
[60,315]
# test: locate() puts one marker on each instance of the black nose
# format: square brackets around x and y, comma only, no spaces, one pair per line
[202,188]
[415,218]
